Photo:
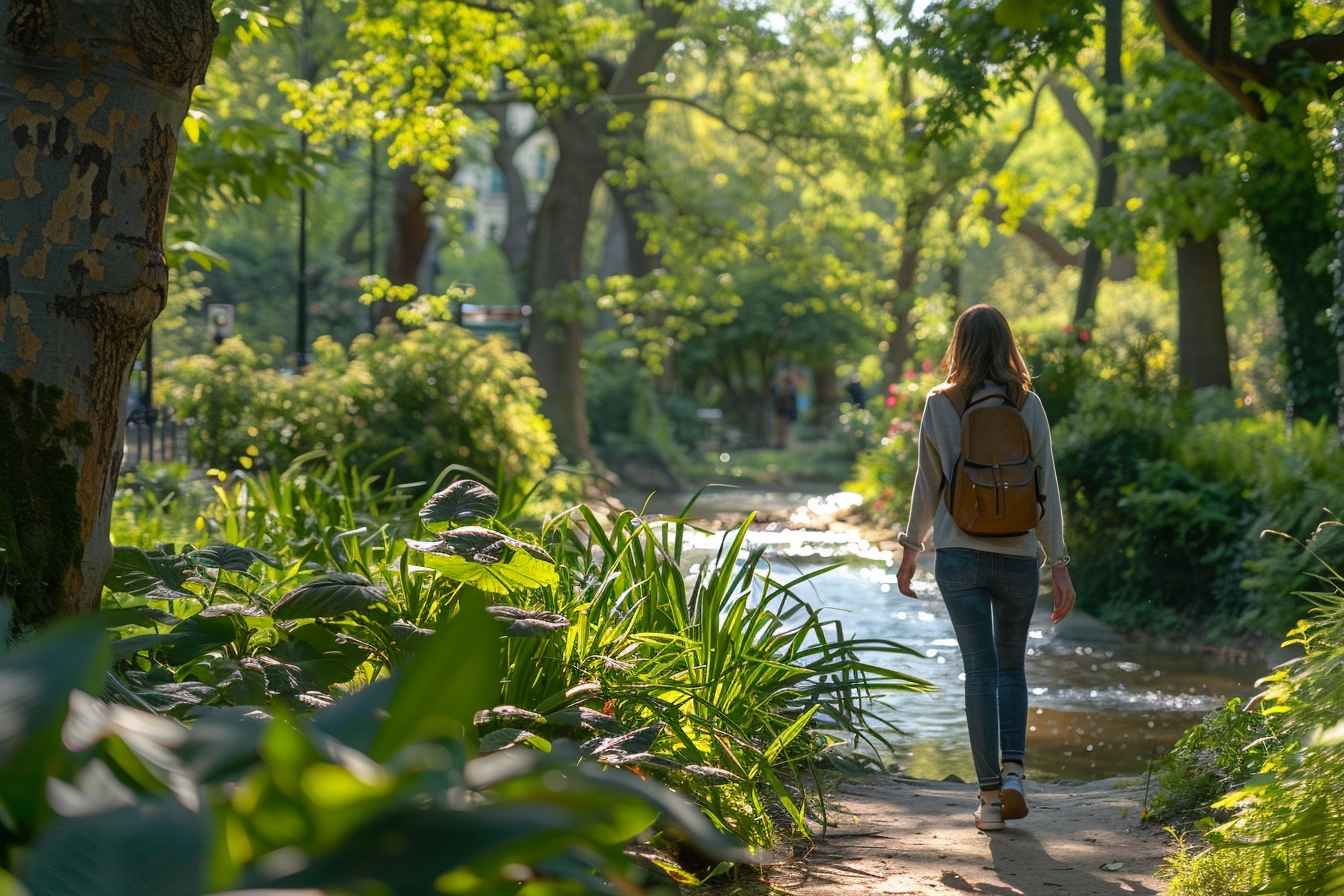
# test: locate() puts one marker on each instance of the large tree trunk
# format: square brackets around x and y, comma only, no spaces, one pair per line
[1204,356]
[1107,176]
[1202,342]
[556,340]
[93,94]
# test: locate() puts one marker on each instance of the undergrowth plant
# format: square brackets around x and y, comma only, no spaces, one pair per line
[321,583]
[1283,833]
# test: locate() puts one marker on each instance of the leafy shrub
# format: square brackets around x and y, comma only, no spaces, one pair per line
[1164,510]
[377,793]
[1283,836]
[1214,757]
[885,473]
[436,394]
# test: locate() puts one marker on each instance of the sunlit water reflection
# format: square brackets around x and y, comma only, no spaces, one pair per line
[1100,705]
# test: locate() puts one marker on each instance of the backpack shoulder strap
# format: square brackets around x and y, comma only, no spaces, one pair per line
[958,399]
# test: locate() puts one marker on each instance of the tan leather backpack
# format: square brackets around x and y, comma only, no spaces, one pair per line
[995,490]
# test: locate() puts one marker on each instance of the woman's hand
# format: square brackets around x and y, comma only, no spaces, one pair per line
[1064,594]
[906,573]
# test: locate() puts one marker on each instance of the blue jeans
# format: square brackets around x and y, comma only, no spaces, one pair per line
[990,598]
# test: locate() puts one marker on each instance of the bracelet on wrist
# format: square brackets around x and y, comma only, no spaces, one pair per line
[906,541]
[1061,562]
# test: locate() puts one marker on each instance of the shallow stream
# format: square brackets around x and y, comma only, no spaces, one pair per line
[1101,705]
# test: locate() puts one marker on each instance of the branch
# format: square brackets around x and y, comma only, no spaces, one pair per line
[1057,251]
[1220,30]
[650,46]
[1319,48]
[1187,40]
[770,140]
[993,165]
[1067,99]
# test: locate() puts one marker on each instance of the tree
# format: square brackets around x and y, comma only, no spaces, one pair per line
[98,89]
[1283,63]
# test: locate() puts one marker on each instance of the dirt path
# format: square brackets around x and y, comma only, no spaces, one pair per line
[906,837]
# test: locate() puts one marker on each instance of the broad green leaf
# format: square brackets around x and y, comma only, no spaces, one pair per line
[512,737]
[230,557]
[197,636]
[528,623]
[459,503]
[333,594]
[138,572]
[154,847]
[35,684]
[322,658]
[489,560]
[508,714]
[453,675]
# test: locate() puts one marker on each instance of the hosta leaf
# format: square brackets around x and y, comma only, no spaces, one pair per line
[647,760]
[198,635]
[491,561]
[144,616]
[36,679]
[155,846]
[637,741]
[322,658]
[282,678]
[230,610]
[404,632]
[138,572]
[230,557]
[459,503]
[508,714]
[512,737]
[528,623]
[584,717]
[175,695]
[334,594]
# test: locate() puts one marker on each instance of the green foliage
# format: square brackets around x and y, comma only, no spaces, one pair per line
[1216,756]
[727,686]
[436,394]
[369,793]
[884,473]
[1283,833]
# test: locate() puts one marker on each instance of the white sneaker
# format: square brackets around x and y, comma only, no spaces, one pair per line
[989,817]
[1013,797]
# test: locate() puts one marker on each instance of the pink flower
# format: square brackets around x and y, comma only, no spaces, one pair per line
[1084,336]
[909,374]
[891,388]
[891,401]
[927,366]
[1068,328]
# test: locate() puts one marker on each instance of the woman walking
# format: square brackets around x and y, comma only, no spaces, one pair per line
[989,582]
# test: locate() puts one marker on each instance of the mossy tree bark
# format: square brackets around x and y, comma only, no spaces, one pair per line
[92,93]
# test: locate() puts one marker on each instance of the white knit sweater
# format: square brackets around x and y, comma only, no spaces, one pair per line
[931,525]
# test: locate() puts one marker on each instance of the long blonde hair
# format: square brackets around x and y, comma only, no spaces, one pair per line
[983,348]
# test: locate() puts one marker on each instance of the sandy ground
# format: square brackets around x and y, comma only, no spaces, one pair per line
[907,837]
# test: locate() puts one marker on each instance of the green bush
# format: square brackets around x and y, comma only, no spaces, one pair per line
[1283,834]
[1216,756]
[436,394]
